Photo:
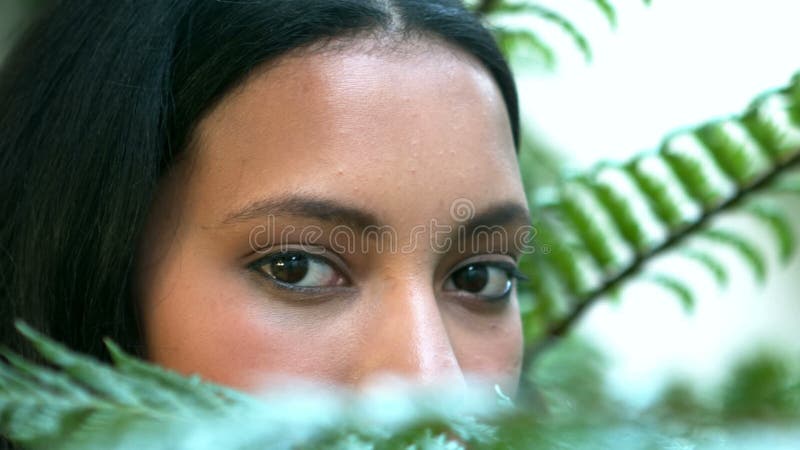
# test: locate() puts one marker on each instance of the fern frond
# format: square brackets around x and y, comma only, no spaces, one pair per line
[513,38]
[608,11]
[518,42]
[749,252]
[765,130]
[621,213]
[554,17]
[779,224]
[564,261]
[730,154]
[40,413]
[792,93]
[693,175]
[577,213]
[674,285]
[710,262]
[662,203]
[721,166]
[85,400]
[85,404]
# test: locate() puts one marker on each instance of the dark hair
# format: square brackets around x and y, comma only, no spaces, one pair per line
[100,97]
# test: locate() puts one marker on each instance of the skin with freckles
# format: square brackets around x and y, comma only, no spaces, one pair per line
[345,139]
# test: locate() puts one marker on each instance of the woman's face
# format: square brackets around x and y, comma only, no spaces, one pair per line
[343,214]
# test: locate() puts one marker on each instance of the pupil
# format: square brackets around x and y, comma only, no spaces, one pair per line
[471,278]
[289,268]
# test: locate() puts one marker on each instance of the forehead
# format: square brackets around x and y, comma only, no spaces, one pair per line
[420,123]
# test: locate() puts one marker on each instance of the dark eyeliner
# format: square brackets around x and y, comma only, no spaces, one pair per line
[510,269]
[256,265]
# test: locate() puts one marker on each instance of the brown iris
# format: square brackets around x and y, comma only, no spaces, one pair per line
[472,278]
[289,268]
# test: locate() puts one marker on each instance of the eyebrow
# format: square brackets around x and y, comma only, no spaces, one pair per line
[327,210]
[324,210]
[502,214]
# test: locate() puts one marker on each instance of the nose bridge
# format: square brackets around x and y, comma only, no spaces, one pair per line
[408,336]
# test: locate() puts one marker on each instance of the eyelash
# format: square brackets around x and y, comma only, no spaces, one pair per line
[293,288]
[510,270]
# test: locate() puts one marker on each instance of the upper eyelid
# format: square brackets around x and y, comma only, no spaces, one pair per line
[503,265]
[266,251]
[323,255]
[330,259]
[509,265]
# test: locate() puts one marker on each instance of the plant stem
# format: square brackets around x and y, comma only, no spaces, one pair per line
[562,327]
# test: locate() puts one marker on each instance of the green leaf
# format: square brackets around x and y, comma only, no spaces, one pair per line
[690,172]
[539,291]
[779,224]
[584,223]
[730,156]
[677,287]
[551,16]
[709,261]
[54,381]
[768,134]
[578,38]
[655,191]
[570,381]
[608,10]
[745,249]
[70,409]
[183,393]
[513,43]
[562,258]
[619,209]
[793,94]
[101,378]
[541,312]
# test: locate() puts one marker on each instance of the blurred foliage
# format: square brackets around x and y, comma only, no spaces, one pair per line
[601,229]
[84,404]
[760,395]
[81,403]
[762,387]
[569,383]
[598,230]
[597,227]
[517,25]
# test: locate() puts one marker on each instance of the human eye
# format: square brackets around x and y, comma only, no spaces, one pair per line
[299,270]
[488,281]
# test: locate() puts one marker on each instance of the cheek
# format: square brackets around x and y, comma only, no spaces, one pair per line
[489,347]
[222,327]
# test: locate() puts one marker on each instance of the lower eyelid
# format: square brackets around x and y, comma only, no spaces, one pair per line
[302,295]
[481,303]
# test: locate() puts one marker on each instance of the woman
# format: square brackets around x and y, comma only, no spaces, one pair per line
[265,188]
